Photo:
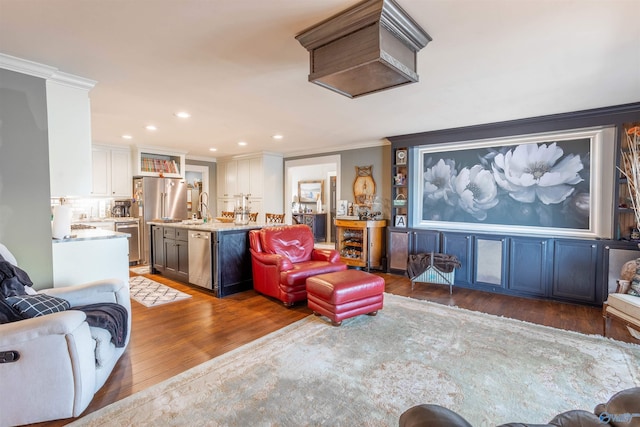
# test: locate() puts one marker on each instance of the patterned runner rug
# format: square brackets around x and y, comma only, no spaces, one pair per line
[151,293]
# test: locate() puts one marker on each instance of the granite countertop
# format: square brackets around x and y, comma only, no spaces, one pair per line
[92,234]
[210,226]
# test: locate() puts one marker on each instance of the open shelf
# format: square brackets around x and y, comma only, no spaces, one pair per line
[152,162]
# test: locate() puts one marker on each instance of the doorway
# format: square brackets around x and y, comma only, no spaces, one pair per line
[309,169]
[197,179]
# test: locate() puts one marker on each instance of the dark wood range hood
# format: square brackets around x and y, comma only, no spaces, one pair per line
[367,48]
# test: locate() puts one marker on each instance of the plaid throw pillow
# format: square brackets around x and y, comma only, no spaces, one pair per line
[37,305]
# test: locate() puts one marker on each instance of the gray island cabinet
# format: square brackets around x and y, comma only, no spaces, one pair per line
[227,263]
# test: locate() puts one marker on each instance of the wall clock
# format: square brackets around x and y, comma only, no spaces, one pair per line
[364,187]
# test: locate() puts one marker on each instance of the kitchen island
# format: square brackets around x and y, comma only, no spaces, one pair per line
[212,255]
[89,255]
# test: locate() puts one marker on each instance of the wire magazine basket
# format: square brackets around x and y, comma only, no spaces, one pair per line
[432,268]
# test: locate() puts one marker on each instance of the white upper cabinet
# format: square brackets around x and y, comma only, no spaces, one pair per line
[256,178]
[244,177]
[111,167]
[259,175]
[230,179]
[121,178]
[101,169]
[69,127]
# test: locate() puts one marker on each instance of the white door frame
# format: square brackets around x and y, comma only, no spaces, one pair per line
[204,170]
[309,161]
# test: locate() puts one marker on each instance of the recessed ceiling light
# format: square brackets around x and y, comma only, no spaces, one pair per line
[151,127]
[277,136]
[183,114]
[242,143]
[213,149]
[127,137]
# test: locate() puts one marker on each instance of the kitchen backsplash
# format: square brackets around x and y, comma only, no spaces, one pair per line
[87,208]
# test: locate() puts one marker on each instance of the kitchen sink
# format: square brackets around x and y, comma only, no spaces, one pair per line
[166,220]
[193,221]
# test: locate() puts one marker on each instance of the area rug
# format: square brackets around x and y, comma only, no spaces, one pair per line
[368,371]
[151,293]
[142,269]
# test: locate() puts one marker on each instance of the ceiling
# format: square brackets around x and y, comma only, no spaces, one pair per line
[236,66]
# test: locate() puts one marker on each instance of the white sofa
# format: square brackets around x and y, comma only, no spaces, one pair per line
[63,361]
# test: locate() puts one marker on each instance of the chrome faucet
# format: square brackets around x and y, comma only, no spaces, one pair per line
[203,207]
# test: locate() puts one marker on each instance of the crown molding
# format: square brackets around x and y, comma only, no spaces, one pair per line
[72,80]
[339,148]
[42,71]
[202,158]
[251,155]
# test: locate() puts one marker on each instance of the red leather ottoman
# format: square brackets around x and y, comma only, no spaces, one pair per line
[344,294]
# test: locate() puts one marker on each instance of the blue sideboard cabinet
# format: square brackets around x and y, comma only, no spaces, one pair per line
[529,271]
[460,245]
[575,271]
[402,242]
[561,269]
[482,259]
[424,241]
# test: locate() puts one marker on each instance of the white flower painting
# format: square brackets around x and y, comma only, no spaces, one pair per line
[533,184]
[533,171]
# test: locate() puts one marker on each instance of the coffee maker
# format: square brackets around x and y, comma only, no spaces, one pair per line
[121,208]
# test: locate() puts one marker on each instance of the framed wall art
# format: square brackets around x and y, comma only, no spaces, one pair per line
[309,191]
[558,184]
[342,207]
[401,157]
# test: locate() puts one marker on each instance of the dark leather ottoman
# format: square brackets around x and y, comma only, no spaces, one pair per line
[344,294]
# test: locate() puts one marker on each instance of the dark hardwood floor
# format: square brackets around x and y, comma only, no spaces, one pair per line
[169,339]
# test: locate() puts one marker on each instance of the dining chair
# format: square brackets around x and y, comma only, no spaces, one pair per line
[271,218]
[253,216]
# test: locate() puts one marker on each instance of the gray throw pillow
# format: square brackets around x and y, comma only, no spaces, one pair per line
[37,305]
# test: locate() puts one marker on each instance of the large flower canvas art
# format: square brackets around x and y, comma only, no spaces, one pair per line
[542,182]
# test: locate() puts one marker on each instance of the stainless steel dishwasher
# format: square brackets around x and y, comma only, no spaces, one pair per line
[133,228]
[200,259]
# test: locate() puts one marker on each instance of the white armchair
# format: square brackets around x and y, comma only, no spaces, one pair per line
[624,308]
[62,361]
[621,305]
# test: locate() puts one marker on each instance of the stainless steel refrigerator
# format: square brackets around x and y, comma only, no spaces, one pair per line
[160,199]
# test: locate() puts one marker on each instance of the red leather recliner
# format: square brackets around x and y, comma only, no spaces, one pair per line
[283,257]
